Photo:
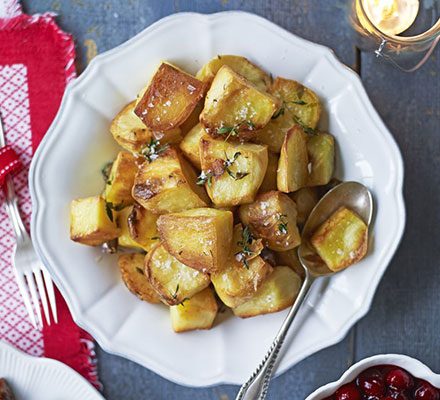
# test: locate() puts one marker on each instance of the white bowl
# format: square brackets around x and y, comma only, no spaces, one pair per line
[68,162]
[413,366]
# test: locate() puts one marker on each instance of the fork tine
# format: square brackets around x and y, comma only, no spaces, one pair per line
[51,293]
[25,296]
[34,295]
[43,297]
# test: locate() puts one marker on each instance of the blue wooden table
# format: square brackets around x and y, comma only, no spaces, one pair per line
[405,315]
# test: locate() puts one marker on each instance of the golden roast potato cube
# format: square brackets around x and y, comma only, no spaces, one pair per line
[173,281]
[200,238]
[233,172]
[193,119]
[235,108]
[132,134]
[275,131]
[190,145]
[306,199]
[125,239]
[120,181]
[290,259]
[270,178]
[272,217]
[245,270]
[92,222]
[133,275]
[128,130]
[298,106]
[293,169]
[142,227]
[321,152]
[169,99]
[342,240]
[168,184]
[277,292]
[239,281]
[198,312]
[300,102]
[240,65]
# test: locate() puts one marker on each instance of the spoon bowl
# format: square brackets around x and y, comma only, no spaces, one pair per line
[352,195]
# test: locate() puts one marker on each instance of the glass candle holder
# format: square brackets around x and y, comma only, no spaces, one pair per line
[402,32]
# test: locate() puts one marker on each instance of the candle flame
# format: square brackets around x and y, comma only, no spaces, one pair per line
[391,16]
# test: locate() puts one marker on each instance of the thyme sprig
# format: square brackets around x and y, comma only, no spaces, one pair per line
[235,129]
[282,109]
[307,129]
[282,224]
[152,150]
[228,162]
[174,296]
[246,241]
[206,176]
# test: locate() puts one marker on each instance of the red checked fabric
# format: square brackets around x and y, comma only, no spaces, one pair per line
[36,63]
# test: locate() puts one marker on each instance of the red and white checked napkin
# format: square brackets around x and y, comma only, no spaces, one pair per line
[36,63]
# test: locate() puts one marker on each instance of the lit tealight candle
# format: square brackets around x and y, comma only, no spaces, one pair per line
[391,16]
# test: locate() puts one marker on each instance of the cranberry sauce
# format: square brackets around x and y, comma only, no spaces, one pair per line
[386,382]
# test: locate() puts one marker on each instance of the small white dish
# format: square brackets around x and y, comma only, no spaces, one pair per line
[33,378]
[415,367]
[78,144]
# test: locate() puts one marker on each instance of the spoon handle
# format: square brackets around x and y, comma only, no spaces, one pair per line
[258,384]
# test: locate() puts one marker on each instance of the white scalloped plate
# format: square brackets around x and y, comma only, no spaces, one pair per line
[68,162]
[33,378]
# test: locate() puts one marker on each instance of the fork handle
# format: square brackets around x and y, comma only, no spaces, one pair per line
[258,384]
[13,212]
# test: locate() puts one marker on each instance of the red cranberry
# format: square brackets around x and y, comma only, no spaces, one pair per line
[399,380]
[348,392]
[426,391]
[396,396]
[371,382]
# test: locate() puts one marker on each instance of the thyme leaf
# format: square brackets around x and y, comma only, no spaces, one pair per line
[174,295]
[205,177]
[282,225]
[228,162]
[110,207]
[105,172]
[109,211]
[282,109]
[238,175]
[183,301]
[307,129]
[152,150]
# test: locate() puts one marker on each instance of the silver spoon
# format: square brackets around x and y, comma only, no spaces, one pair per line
[352,195]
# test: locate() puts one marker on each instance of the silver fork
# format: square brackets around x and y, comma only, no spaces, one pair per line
[34,281]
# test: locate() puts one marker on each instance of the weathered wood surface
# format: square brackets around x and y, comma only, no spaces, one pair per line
[405,315]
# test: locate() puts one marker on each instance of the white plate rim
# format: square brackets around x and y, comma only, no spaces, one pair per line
[44,363]
[38,203]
